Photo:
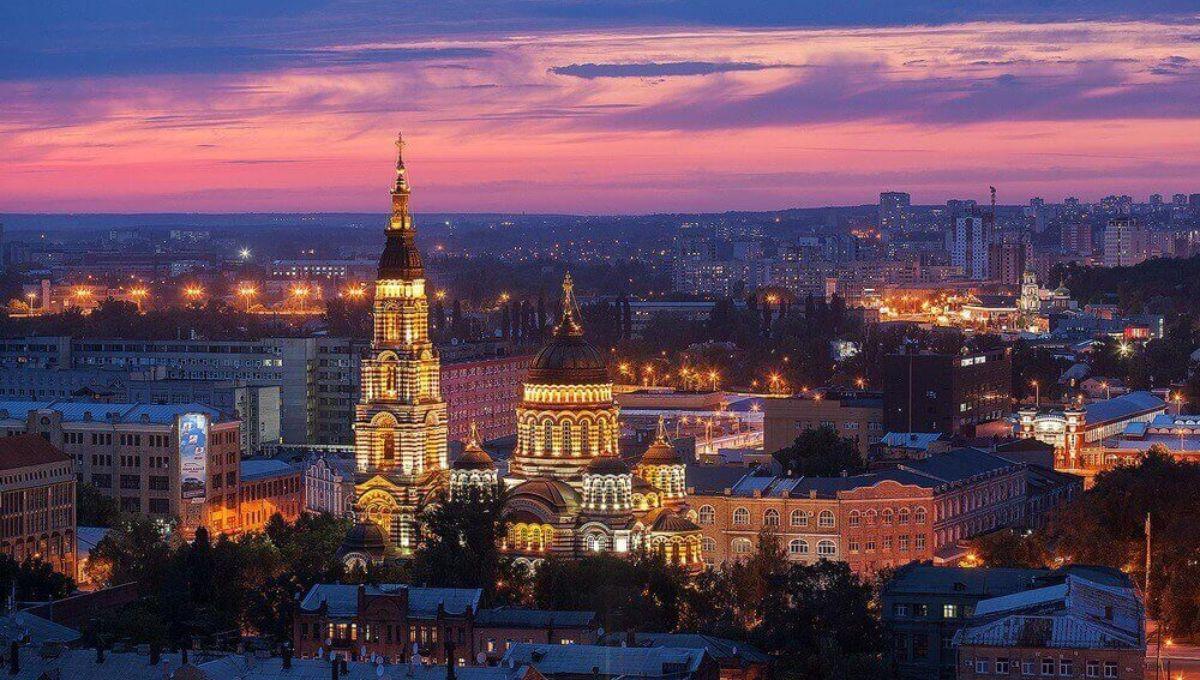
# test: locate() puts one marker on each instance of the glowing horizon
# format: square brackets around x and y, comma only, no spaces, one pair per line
[620,120]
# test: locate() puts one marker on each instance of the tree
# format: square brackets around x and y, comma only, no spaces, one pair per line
[133,551]
[640,594]
[1010,548]
[821,453]
[32,581]
[94,509]
[460,543]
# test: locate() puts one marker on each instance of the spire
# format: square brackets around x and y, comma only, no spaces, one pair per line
[569,325]
[401,191]
[473,435]
[400,259]
[662,428]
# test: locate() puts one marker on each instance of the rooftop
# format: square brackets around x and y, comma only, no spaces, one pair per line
[636,662]
[24,450]
[1119,408]
[422,602]
[515,617]
[86,411]
[259,468]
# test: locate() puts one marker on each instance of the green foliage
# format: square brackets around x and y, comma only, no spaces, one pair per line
[1011,548]
[33,580]
[821,453]
[641,594]
[213,589]
[1105,526]
[94,509]
[460,543]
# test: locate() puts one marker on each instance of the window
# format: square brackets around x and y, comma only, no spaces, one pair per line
[853,546]
[1047,666]
[1092,669]
[160,506]
[1066,667]
[920,541]
[1027,667]
[826,549]
[798,547]
[855,518]
[741,546]
[887,516]
[982,667]
[919,515]
[707,544]
[160,483]
[870,516]
[825,519]
[707,515]
[1110,669]
[900,610]
[1001,666]
[771,518]
[799,518]
[131,482]
[741,516]
[949,611]
[902,516]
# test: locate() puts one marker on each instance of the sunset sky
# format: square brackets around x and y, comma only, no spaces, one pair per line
[591,106]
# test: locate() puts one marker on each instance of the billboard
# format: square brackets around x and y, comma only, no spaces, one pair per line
[193,456]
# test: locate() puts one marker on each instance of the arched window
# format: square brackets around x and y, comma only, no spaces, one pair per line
[707,544]
[825,519]
[887,516]
[902,516]
[771,518]
[547,438]
[870,516]
[387,445]
[567,449]
[855,518]
[741,546]
[741,516]
[826,549]
[603,435]
[707,515]
[797,547]
[799,518]
[595,542]
[585,440]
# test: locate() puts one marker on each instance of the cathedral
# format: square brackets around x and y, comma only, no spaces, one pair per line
[569,492]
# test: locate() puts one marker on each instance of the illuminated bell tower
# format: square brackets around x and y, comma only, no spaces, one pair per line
[400,421]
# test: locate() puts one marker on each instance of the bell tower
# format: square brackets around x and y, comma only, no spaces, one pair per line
[400,421]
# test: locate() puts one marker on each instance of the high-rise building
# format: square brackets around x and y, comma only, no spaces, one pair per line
[400,422]
[1077,237]
[969,245]
[1007,258]
[1125,243]
[1194,204]
[894,210]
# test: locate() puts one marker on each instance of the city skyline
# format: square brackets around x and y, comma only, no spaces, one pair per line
[617,108]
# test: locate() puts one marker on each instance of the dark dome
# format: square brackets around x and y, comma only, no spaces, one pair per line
[607,465]
[670,522]
[555,493]
[474,458]
[364,537]
[568,359]
[661,453]
[400,259]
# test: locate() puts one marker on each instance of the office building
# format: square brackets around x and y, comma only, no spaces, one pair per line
[1125,243]
[969,241]
[856,416]
[950,393]
[483,387]
[894,207]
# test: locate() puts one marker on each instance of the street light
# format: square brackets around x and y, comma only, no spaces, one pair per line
[247,292]
[1037,394]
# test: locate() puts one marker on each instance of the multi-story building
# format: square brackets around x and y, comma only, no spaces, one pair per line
[1091,624]
[329,485]
[923,606]
[485,389]
[894,207]
[164,461]
[390,621]
[1078,433]
[1077,238]
[37,502]
[969,243]
[915,511]
[951,393]
[1125,243]
[317,376]
[269,487]
[856,416]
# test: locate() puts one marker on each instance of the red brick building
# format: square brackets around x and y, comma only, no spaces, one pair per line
[268,487]
[886,518]
[359,622]
[483,389]
[37,502]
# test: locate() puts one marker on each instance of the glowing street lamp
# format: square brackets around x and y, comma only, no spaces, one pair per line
[244,254]
[713,376]
[247,293]
[138,295]
[1037,394]
[193,293]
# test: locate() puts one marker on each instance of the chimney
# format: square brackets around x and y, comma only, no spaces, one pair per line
[630,639]
[335,667]
[14,658]
[155,653]
[287,656]
[183,660]
[449,659]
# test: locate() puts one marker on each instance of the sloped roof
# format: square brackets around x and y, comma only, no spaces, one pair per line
[342,599]
[924,578]
[718,648]
[636,662]
[79,411]
[237,666]
[258,468]
[24,450]
[1124,406]
[517,617]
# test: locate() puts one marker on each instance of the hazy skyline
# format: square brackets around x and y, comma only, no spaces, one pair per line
[597,107]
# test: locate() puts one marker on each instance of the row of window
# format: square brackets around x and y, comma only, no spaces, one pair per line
[707,515]
[1064,668]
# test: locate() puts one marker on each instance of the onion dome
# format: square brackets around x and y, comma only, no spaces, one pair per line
[364,537]
[555,493]
[400,258]
[661,452]
[473,456]
[671,522]
[607,465]
[568,359]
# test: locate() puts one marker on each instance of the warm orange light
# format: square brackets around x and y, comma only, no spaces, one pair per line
[356,292]
[193,291]
[300,291]
[82,292]
[138,292]
[441,295]
[247,291]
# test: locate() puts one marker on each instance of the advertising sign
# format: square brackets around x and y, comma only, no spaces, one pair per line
[193,456]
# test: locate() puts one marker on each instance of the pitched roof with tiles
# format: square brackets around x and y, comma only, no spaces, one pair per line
[24,450]
[342,599]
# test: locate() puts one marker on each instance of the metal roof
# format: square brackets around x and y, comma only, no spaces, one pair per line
[253,668]
[257,468]
[636,662]
[1124,406]
[915,578]
[85,411]
[342,599]
[515,617]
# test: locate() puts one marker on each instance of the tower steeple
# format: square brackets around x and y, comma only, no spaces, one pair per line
[569,325]
[401,259]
